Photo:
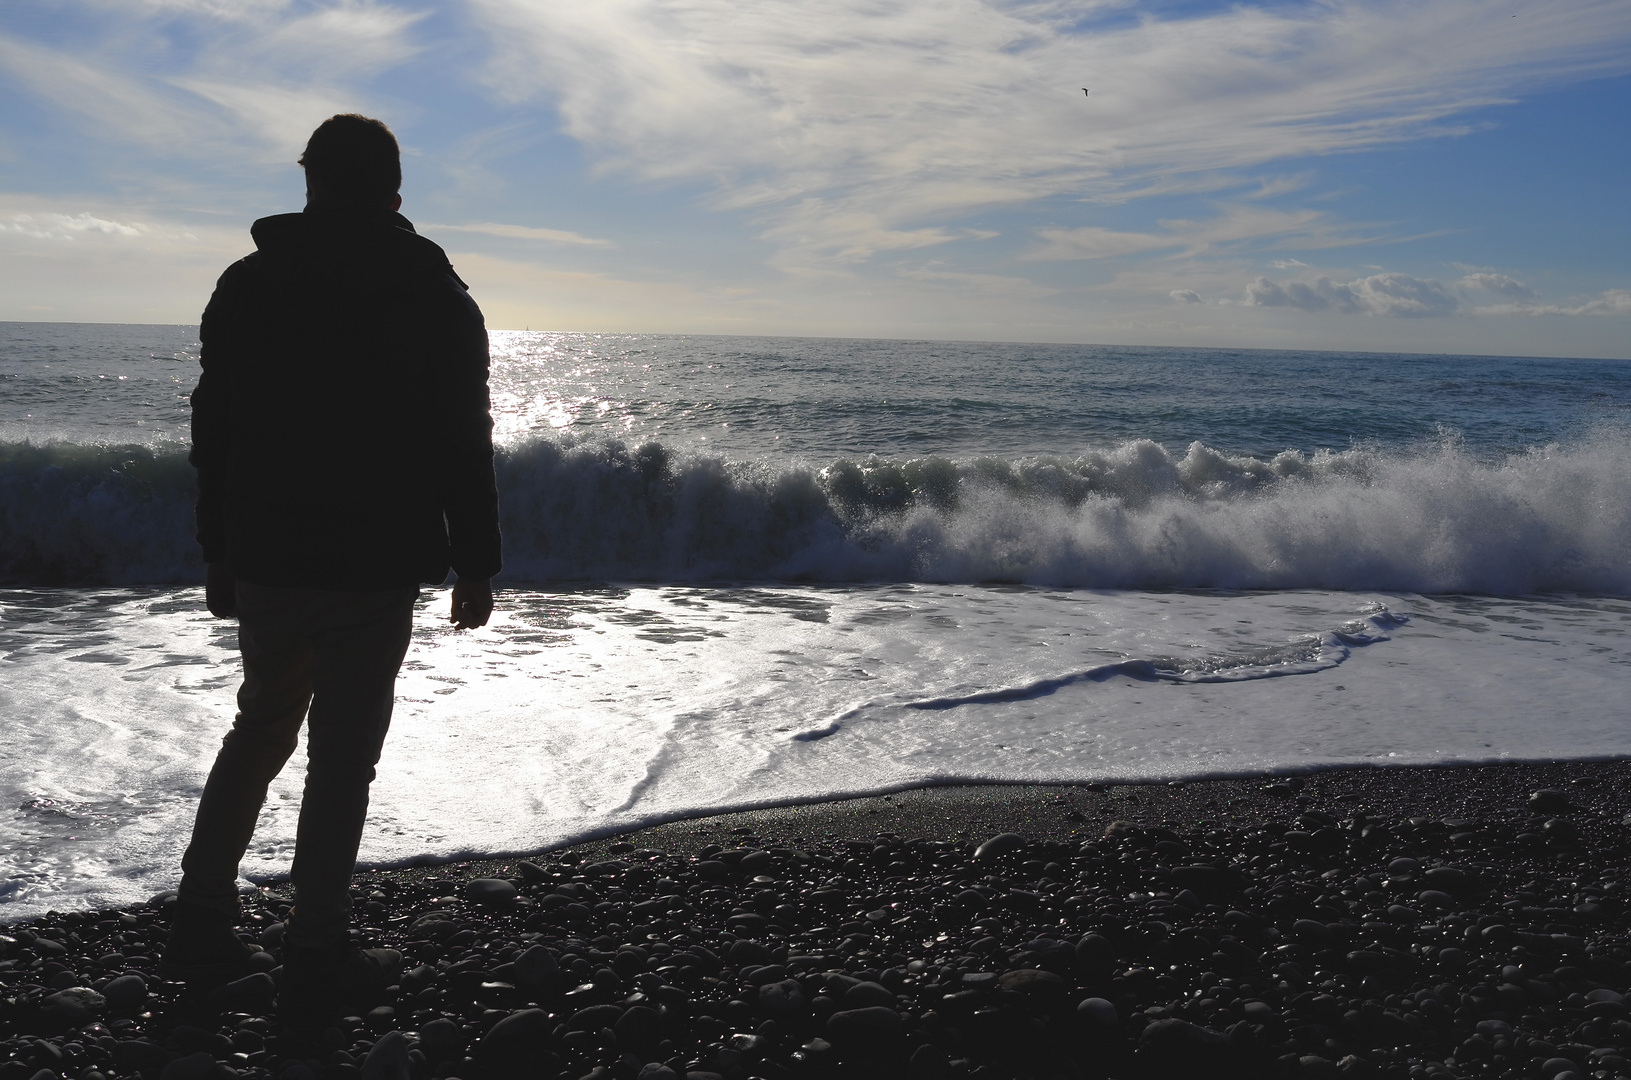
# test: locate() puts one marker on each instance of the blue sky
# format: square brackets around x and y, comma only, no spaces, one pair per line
[1443,176]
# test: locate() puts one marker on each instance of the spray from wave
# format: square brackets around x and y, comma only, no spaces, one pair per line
[1556,519]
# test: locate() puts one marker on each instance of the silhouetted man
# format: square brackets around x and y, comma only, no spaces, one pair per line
[343,444]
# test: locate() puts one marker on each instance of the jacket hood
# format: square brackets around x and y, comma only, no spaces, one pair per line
[372,248]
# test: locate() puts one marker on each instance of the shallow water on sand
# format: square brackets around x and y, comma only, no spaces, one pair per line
[596,709]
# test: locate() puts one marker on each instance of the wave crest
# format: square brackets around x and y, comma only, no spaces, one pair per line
[1552,520]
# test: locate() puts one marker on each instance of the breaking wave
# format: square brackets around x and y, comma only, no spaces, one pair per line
[1557,519]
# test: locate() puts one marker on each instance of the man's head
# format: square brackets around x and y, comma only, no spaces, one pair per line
[353,162]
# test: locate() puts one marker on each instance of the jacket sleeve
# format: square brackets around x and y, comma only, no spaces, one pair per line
[469,493]
[211,414]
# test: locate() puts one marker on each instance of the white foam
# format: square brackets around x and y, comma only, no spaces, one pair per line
[1556,519]
[587,711]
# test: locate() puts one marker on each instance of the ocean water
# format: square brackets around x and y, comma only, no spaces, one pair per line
[745,572]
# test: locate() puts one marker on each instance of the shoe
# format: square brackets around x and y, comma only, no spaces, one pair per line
[320,984]
[204,948]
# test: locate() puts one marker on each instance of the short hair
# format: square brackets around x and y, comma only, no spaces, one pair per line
[355,159]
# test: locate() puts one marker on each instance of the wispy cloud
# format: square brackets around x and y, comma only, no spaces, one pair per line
[914,115]
[1397,295]
[520,232]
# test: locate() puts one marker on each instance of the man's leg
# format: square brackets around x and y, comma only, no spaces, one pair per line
[271,706]
[356,655]
[357,652]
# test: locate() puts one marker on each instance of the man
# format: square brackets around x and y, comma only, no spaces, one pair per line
[343,444]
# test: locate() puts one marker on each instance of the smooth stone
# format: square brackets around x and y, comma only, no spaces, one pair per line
[1032,982]
[518,1038]
[928,1062]
[536,966]
[855,1024]
[1098,1012]
[1403,868]
[639,1028]
[73,1007]
[441,1038]
[388,1058]
[199,1066]
[656,1070]
[1550,801]
[252,993]
[785,998]
[433,927]
[126,991]
[493,892]
[868,994]
[998,846]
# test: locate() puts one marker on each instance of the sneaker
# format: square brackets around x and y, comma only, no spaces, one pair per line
[320,984]
[204,948]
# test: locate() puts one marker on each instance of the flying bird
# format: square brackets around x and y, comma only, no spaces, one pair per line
[1085,90]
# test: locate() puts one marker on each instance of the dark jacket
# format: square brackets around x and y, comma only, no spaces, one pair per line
[341,430]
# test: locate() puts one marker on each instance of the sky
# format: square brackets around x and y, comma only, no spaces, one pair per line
[1433,176]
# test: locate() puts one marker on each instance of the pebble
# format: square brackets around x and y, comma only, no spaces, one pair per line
[1297,943]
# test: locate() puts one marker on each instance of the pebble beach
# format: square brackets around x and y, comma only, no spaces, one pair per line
[1450,922]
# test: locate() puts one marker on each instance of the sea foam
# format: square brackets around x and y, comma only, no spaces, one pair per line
[1435,520]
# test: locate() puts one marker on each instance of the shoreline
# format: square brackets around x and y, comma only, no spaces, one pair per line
[1397,921]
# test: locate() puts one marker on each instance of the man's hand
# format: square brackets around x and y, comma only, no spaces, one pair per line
[472,603]
[220,590]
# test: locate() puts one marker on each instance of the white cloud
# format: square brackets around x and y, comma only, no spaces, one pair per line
[912,115]
[1388,294]
[260,70]
[1186,296]
[1499,284]
[68,227]
[519,232]
[1403,296]
[1608,303]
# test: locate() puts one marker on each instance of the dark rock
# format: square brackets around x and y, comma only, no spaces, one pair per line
[516,1042]
[441,1038]
[639,1029]
[595,1017]
[433,928]
[72,1007]
[1033,983]
[494,892]
[1000,845]
[867,994]
[784,998]
[1560,831]
[1097,1014]
[388,1058]
[861,1025]
[537,967]
[928,1062]
[199,1066]
[250,994]
[1550,801]
[125,992]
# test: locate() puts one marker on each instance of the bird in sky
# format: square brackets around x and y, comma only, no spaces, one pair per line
[1086,91]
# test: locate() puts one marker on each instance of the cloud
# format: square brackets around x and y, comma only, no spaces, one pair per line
[1186,296]
[68,227]
[913,115]
[1390,295]
[1608,303]
[1496,283]
[1395,295]
[261,70]
[519,232]
[1234,226]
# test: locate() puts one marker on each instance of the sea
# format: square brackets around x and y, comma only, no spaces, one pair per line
[744,572]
